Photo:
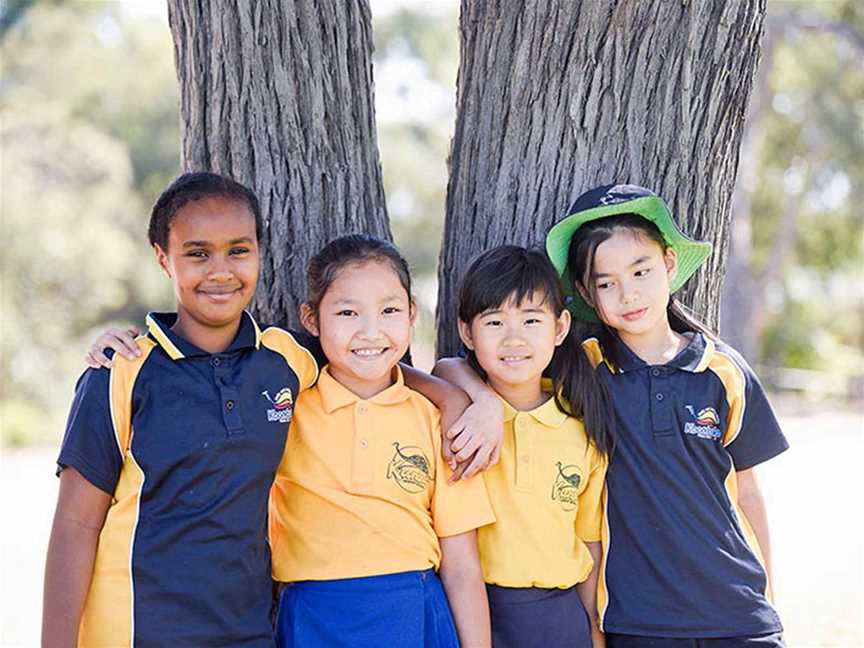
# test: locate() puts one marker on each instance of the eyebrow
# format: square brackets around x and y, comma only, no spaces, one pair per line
[640,260]
[242,239]
[385,299]
[497,311]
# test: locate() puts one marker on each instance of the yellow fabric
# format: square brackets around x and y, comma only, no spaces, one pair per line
[296,355]
[546,492]
[362,488]
[107,620]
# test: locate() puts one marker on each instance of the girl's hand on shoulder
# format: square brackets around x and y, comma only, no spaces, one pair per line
[475,438]
[122,341]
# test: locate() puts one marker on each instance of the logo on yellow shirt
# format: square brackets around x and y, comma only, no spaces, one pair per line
[409,468]
[566,485]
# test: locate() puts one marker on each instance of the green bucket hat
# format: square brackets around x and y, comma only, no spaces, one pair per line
[612,200]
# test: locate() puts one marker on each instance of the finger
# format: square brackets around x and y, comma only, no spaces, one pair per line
[96,359]
[457,473]
[133,331]
[480,461]
[448,455]
[129,348]
[456,429]
[496,456]
[463,439]
[469,449]
[120,342]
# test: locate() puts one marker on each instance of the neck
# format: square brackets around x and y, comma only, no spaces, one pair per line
[523,397]
[655,347]
[208,338]
[363,388]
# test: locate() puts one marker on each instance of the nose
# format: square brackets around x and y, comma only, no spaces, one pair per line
[369,327]
[513,336]
[219,270]
[629,293]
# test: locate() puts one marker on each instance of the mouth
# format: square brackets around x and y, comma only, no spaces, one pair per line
[370,352]
[632,316]
[514,359]
[220,294]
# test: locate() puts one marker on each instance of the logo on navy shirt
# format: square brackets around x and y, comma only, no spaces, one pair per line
[564,490]
[409,468]
[706,424]
[283,405]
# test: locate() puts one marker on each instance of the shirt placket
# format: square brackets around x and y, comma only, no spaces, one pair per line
[661,402]
[524,452]
[229,395]
[362,460]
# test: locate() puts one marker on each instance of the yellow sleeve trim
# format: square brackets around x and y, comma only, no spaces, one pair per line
[732,377]
[298,357]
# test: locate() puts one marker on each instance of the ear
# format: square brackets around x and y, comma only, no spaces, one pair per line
[670,258]
[162,259]
[562,326]
[309,319]
[465,334]
[412,311]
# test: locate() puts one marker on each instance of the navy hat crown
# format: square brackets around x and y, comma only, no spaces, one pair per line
[613,194]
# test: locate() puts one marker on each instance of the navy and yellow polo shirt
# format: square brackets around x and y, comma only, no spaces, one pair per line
[187,443]
[679,557]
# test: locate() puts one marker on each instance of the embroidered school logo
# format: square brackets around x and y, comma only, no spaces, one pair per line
[706,423]
[283,405]
[566,485]
[409,468]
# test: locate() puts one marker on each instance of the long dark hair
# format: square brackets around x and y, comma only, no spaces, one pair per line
[510,272]
[580,260]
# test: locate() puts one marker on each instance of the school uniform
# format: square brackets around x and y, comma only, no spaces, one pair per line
[546,491]
[355,516]
[187,443]
[681,560]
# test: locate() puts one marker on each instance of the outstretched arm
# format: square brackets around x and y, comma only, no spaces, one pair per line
[78,521]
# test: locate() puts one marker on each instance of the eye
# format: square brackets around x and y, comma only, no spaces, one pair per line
[533,320]
[604,285]
[392,310]
[196,254]
[237,251]
[643,272]
[494,323]
[346,312]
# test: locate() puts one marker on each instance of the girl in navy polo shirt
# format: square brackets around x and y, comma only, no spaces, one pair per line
[686,557]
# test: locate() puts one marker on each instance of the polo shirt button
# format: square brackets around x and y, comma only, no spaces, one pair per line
[655,372]
[215,362]
[229,405]
[362,409]
[659,397]
[524,458]
[364,443]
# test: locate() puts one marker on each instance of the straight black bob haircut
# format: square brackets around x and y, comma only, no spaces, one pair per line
[580,258]
[190,187]
[514,274]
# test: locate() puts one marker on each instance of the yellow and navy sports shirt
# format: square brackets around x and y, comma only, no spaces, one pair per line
[680,559]
[187,443]
[546,493]
[362,489]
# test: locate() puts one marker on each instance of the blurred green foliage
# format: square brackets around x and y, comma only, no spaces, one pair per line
[811,169]
[90,135]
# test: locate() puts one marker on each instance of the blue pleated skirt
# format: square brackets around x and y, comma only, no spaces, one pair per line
[407,609]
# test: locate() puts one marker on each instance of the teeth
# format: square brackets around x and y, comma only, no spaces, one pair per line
[368,352]
[513,358]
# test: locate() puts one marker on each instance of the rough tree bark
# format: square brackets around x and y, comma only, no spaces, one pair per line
[279,95]
[555,96]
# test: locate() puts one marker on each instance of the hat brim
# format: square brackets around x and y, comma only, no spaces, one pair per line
[691,253]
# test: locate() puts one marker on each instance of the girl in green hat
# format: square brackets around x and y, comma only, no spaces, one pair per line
[686,558]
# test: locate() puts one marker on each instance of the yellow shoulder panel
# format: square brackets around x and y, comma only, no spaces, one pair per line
[732,377]
[296,355]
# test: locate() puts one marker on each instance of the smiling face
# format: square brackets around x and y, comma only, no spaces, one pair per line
[630,280]
[364,323]
[212,259]
[514,343]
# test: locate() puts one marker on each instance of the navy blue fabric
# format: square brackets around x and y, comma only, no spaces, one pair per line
[533,617]
[407,609]
[770,640]
[201,560]
[678,563]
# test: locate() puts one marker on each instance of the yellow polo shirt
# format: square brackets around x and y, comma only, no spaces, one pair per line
[362,488]
[546,492]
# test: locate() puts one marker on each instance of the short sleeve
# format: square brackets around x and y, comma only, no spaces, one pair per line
[460,507]
[757,437]
[312,344]
[589,516]
[90,443]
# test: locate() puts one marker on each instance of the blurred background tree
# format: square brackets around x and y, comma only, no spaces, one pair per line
[89,134]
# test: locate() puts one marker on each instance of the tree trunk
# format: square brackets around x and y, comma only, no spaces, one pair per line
[279,96]
[557,96]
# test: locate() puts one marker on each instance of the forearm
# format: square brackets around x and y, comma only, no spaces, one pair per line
[587,591]
[68,571]
[440,391]
[462,578]
[458,372]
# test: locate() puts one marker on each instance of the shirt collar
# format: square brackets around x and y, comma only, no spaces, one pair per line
[159,327]
[547,414]
[335,395]
[694,358]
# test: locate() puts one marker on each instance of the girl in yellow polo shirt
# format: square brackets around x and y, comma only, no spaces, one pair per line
[362,518]
[540,559]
